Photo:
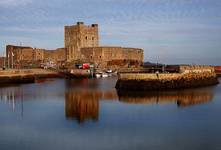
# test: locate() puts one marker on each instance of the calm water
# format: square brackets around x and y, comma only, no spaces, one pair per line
[61,114]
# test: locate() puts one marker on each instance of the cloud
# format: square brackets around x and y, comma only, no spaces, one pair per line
[10,3]
[164,28]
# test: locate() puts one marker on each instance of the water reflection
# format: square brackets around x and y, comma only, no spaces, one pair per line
[82,97]
[84,105]
[13,96]
[182,98]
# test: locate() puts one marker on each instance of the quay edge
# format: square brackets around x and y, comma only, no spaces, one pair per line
[14,76]
[187,77]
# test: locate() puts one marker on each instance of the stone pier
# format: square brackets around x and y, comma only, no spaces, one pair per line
[25,75]
[188,77]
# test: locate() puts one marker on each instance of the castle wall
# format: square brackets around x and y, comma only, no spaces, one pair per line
[16,54]
[38,54]
[55,55]
[112,56]
[27,55]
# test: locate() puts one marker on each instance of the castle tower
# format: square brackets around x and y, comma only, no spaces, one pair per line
[79,36]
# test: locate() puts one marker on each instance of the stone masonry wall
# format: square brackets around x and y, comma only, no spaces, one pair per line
[15,54]
[110,56]
[38,54]
[82,43]
[148,81]
[25,55]
[55,55]
[196,68]
[78,36]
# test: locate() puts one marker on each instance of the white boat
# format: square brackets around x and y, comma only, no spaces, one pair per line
[104,75]
[98,75]
[109,71]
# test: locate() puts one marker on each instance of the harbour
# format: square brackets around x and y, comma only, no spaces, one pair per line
[61,112]
[110,75]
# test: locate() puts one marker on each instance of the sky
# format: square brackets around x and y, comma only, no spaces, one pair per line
[169,31]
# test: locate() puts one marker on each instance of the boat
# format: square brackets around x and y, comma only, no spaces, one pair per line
[109,71]
[104,75]
[98,75]
[101,74]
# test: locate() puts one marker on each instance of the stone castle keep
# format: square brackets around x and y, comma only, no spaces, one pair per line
[81,46]
[79,36]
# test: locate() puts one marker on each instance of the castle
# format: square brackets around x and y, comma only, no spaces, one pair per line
[81,46]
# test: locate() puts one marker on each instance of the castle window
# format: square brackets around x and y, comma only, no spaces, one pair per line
[100,56]
[92,38]
[91,56]
[86,38]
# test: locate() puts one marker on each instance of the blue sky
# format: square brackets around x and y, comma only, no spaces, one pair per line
[169,31]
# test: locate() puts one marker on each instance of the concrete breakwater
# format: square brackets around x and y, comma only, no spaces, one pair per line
[25,75]
[188,77]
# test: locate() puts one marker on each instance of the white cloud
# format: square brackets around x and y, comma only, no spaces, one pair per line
[9,3]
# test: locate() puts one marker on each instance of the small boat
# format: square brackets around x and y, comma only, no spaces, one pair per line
[98,75]
[109,71]
[104,75]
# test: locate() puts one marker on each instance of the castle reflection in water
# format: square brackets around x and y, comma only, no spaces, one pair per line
[84,105]
[82,98]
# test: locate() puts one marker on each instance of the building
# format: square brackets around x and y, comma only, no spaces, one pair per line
[112,57]
[79,36]
[22,56]
[82,43]
[81,46]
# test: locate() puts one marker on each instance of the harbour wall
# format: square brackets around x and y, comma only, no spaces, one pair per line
[189,77]
[25,75]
